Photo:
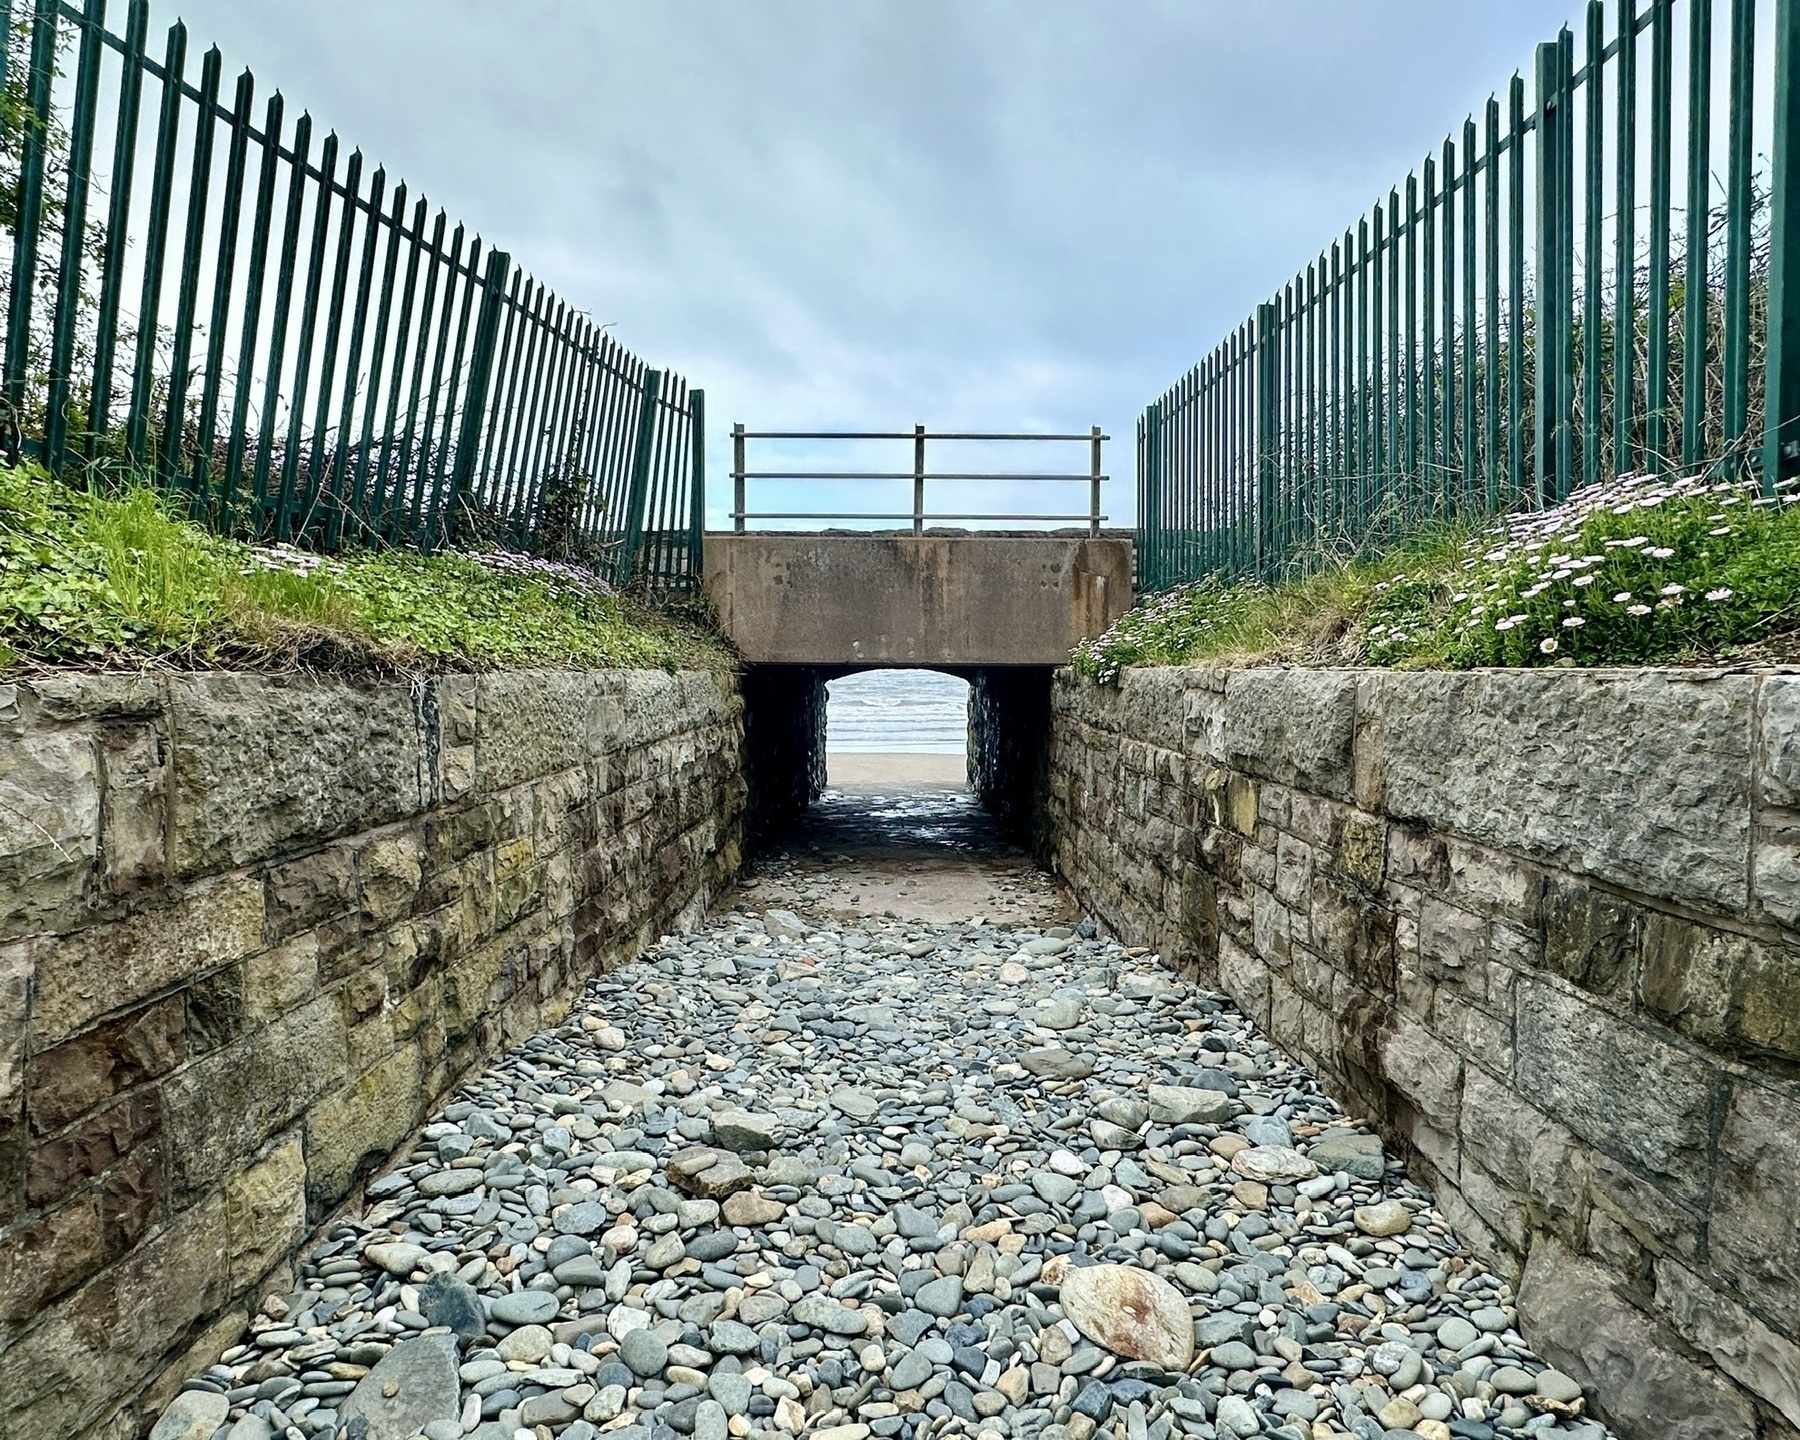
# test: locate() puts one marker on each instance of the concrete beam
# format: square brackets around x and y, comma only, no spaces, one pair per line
[924,600]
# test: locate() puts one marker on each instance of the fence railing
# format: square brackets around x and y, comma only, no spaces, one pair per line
[1533,310]
[918,476]
[273,331]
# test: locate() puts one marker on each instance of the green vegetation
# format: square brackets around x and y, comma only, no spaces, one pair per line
[106,579]
[1638,571]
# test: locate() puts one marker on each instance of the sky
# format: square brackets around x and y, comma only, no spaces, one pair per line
[1019,215]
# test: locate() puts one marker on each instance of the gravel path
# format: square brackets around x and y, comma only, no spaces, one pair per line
[854,1174]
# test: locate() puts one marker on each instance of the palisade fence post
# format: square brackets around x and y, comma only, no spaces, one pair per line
[918,480]
[1150,496]
[640,479]
[697,488]
[1781,404]
[1549,193]
[74,220]
[1266,431]
[470,435]
[25,233]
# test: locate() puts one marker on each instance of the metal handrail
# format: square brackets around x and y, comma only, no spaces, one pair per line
[740,474]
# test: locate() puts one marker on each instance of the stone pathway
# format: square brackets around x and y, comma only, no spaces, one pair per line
[822,1171]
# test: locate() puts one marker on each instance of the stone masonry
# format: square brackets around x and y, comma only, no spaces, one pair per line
[1543,927]
[252,929]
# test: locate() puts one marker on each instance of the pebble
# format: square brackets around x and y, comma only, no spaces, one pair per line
[815,1169]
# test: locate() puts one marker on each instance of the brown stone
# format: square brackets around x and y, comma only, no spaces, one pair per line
[1754,1234]
[709,1174]
[55,1380]
[133,827]
[351,1130]
[307,891]
[751,1208]
[82,976]
[1132,1312]
[57,1166]
[50,796]
[70,1079]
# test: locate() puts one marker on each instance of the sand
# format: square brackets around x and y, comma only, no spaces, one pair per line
[882,771]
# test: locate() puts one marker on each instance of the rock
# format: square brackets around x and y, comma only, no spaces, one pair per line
[823,1313]
[524,1307]
[1055,1063]
[528,1343]
[743,1131]
[1185,1105]
[1511,1380]
[450,1182]
[1132,1312]
[784,925]
[1054,1188]
[1057,1015]
[1109,1136]
[192,1415]
[1350,1151]
[585,1217]
[1554,1385]
[1238,1417]
[396,1257]
[644,1352]
[412,1385]
[751,1209]
[446,1300]
[1273,1165]
[942,1297]
[1457,1332]
[1388,1217]
[665,1250]
[708,1173]
[1399,1414]
[859,1105]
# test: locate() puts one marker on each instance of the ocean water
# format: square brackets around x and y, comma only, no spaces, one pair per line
[917,712]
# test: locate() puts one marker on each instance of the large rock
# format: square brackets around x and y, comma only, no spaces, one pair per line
[1188,1105]
[1273,1165]
[412,1385]
[1569,1311]
[709,1174]
[1131,1312]
[192,1415]
[1052,1062]
[745,1131]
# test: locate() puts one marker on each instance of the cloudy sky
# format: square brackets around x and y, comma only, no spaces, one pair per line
[996,214]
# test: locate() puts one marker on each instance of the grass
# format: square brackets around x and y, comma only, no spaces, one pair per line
[120,579]
[1641,570]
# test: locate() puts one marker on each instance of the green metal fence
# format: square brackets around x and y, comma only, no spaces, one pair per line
[1580,285]
[303,350]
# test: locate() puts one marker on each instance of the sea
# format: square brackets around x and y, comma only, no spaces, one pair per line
[913,712]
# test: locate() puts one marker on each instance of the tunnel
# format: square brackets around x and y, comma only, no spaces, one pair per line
[786,735]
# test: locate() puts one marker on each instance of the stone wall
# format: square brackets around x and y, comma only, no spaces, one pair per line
[784,746]
[1009,730]
[1544,927]
[251,929]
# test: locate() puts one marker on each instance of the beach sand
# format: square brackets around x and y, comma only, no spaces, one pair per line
[884,771]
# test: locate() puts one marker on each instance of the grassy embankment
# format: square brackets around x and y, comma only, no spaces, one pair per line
[1639,571]
[121,580]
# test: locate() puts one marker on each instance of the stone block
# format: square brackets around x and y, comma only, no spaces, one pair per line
[1619,1084]
[68,1080]
[265,766]
[134,821]
[280,978]
[41,1260]
[265,1212]
[1753,1230]
[1641,778]
[309,890]
[56,1379]
[1687,975]
[1491,883]
[1778,737]
[1640,1377]
[1590,937]
[1362,849]
[58,1166]
[388,876]
[1764,1363]
[225,1105]
[1293,726]
[1450,939]
[1526,1151]
[84,975]
[529,724]
[355,1128]
[50,843]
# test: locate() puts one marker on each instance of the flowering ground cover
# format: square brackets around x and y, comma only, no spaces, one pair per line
[1640,570]
[122,579]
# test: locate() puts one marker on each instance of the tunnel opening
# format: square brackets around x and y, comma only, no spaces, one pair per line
[952,748]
